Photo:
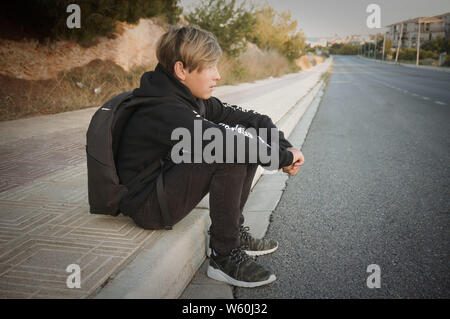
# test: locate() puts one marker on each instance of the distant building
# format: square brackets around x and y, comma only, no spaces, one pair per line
[349,39]
[430,29]
[314,42]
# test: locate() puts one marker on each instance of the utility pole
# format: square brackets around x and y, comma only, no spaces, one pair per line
[399,41]
[424,21]
[384,44]
[375,51]
[418,46]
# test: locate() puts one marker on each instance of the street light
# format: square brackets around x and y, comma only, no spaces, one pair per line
[399,41]
[375,50]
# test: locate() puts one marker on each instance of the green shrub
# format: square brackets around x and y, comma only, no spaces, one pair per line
[411,54]
[437,45]
[447,61]
[230,24]
[344,49]
[348,49]
[43,19]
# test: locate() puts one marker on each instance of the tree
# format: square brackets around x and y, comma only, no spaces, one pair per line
[231,25]
[278,31]
[388,46]
[43,19]
[438,45]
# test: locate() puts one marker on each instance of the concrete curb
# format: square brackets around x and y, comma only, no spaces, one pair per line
[163,267]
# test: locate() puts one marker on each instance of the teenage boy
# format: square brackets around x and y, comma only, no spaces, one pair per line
[179,92]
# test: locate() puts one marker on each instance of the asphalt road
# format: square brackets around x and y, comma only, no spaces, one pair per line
[375,189]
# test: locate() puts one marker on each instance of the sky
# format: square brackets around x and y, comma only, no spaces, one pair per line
[326,18]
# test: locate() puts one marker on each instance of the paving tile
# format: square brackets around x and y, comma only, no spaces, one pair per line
[45,225]
[25,160]
[97,272]
[8,290]
[4,268]
[39,238]
[67,293]
[36,247]
[11,294]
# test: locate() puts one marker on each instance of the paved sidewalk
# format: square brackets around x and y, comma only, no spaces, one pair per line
[45,224]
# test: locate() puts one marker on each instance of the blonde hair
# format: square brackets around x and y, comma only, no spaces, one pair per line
[191,45]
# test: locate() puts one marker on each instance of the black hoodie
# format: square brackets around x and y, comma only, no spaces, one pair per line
[147,135]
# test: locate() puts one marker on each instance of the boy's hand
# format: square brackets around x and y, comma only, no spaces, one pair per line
[296,163]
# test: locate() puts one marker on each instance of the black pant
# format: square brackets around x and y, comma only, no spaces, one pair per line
[186,184]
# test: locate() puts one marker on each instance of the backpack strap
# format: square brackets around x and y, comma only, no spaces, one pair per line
[162,198]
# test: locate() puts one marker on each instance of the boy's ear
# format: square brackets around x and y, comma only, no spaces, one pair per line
[179,71]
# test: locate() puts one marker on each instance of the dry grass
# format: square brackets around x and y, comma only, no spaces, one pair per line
[326,76]
[26,98]
[254,64]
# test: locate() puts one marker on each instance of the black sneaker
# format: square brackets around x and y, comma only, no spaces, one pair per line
[256,247]
[238,269]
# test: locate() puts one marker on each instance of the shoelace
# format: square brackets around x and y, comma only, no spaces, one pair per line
[245,236]
[238,255]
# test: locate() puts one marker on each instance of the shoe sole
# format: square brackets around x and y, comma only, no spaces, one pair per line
[219,275]
[260,252]
[250,252]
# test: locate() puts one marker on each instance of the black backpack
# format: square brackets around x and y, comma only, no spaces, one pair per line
[102,141]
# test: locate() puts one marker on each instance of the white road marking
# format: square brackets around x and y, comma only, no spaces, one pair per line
[406,91]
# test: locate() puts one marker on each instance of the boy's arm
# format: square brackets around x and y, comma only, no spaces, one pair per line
[222,112]
[180,117]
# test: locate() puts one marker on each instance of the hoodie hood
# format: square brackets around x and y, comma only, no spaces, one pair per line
[161,83]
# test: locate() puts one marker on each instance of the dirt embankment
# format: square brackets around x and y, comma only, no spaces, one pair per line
[38,79]
[133,45]
[308,61]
